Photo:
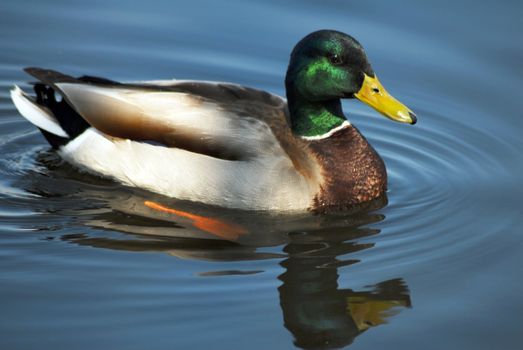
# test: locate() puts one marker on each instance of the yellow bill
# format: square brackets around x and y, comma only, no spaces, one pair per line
[375,95]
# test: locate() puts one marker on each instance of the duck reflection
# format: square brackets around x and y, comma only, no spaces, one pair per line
[316,311]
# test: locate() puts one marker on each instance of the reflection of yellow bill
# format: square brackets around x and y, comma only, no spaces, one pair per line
[369,313]
[375,95]
[213,226]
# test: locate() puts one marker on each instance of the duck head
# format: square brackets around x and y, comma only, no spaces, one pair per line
[325,67]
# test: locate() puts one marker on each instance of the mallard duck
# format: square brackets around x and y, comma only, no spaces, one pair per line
[224,144]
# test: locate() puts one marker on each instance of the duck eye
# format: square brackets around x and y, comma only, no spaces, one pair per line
[335,59]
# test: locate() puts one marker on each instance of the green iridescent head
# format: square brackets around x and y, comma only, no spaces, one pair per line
[324,67]
[327,64]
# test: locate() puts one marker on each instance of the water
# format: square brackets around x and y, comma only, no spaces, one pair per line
[438,266]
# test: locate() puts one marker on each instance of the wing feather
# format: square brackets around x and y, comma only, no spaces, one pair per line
[173,118]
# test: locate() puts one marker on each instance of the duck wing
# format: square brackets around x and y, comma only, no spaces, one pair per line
[221,120]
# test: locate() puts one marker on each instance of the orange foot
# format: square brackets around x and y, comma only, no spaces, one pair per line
[217,227]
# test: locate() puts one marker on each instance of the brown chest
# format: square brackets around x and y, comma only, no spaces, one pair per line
[352,172]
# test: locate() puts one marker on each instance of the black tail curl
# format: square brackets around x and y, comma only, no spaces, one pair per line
[46,90]
[72,123]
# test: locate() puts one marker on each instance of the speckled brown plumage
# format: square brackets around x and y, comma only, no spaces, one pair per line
[352,171]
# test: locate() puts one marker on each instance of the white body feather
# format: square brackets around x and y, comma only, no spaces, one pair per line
[260,184]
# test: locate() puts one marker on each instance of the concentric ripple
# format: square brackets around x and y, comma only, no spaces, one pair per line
[441,176]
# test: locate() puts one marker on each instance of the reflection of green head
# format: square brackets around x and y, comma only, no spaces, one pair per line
[316,310]
[324,66]
[322,316]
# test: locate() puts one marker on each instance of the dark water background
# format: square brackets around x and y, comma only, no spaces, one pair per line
[438,267]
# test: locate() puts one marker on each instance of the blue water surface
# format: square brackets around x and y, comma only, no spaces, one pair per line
[84,264]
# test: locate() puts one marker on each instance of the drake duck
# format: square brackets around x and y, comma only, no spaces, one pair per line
[224,144]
